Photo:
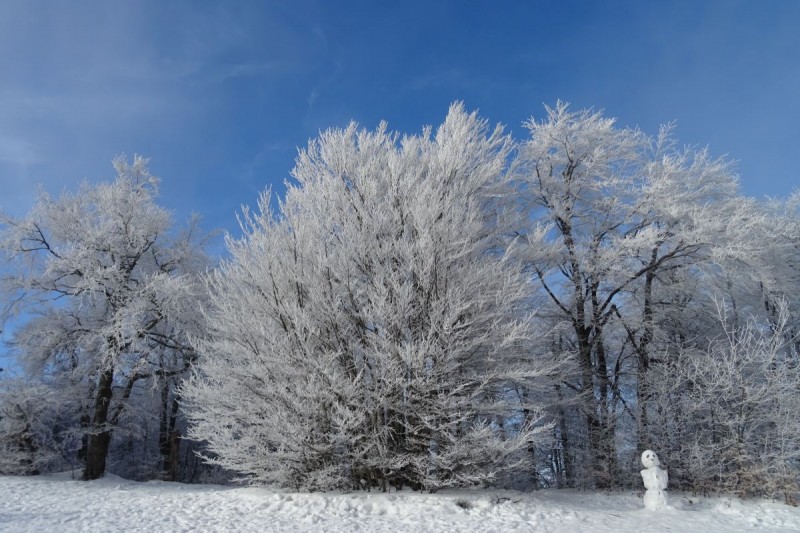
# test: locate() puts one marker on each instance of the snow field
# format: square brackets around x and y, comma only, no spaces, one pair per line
[59,503]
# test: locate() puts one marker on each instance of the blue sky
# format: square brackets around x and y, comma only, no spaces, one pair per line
[220,94]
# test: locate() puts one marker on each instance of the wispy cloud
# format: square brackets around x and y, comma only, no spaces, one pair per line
[246,70]
[17,152]
[83,81]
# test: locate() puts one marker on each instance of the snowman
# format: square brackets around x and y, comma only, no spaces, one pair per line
[655,481]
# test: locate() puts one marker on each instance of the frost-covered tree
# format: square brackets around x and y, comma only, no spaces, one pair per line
[31,417]
[372,331]
[625,216]
[775,240]
[736,405]
[107,289]
[752,266]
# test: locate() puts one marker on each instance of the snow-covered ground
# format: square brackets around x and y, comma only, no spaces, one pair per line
[57,503]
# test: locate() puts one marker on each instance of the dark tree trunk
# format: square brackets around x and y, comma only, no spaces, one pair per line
[100,438]
[642,392]
[174,456]
[594,429]
[535,482]
[168,437]
[566,450]
[85,422]
[605,469]
[599,422]
[163,428]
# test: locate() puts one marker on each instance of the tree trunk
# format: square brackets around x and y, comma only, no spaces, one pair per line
[642,393]
[594,429]
[535,482]
[599,422]
[169,437]
[605,469]
[566,451]
[100,438]
[85,422]
[164,429]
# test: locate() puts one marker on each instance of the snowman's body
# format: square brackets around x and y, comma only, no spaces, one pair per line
[655,481]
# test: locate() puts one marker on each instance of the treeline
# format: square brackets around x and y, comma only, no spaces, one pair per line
[452,308]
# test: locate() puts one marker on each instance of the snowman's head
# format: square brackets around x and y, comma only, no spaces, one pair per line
[650,459]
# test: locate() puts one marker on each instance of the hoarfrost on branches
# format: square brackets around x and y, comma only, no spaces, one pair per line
[109,292]
[369,333]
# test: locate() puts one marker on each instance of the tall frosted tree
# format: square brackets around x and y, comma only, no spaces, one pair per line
[371,331]
[625,216]
[107,290]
